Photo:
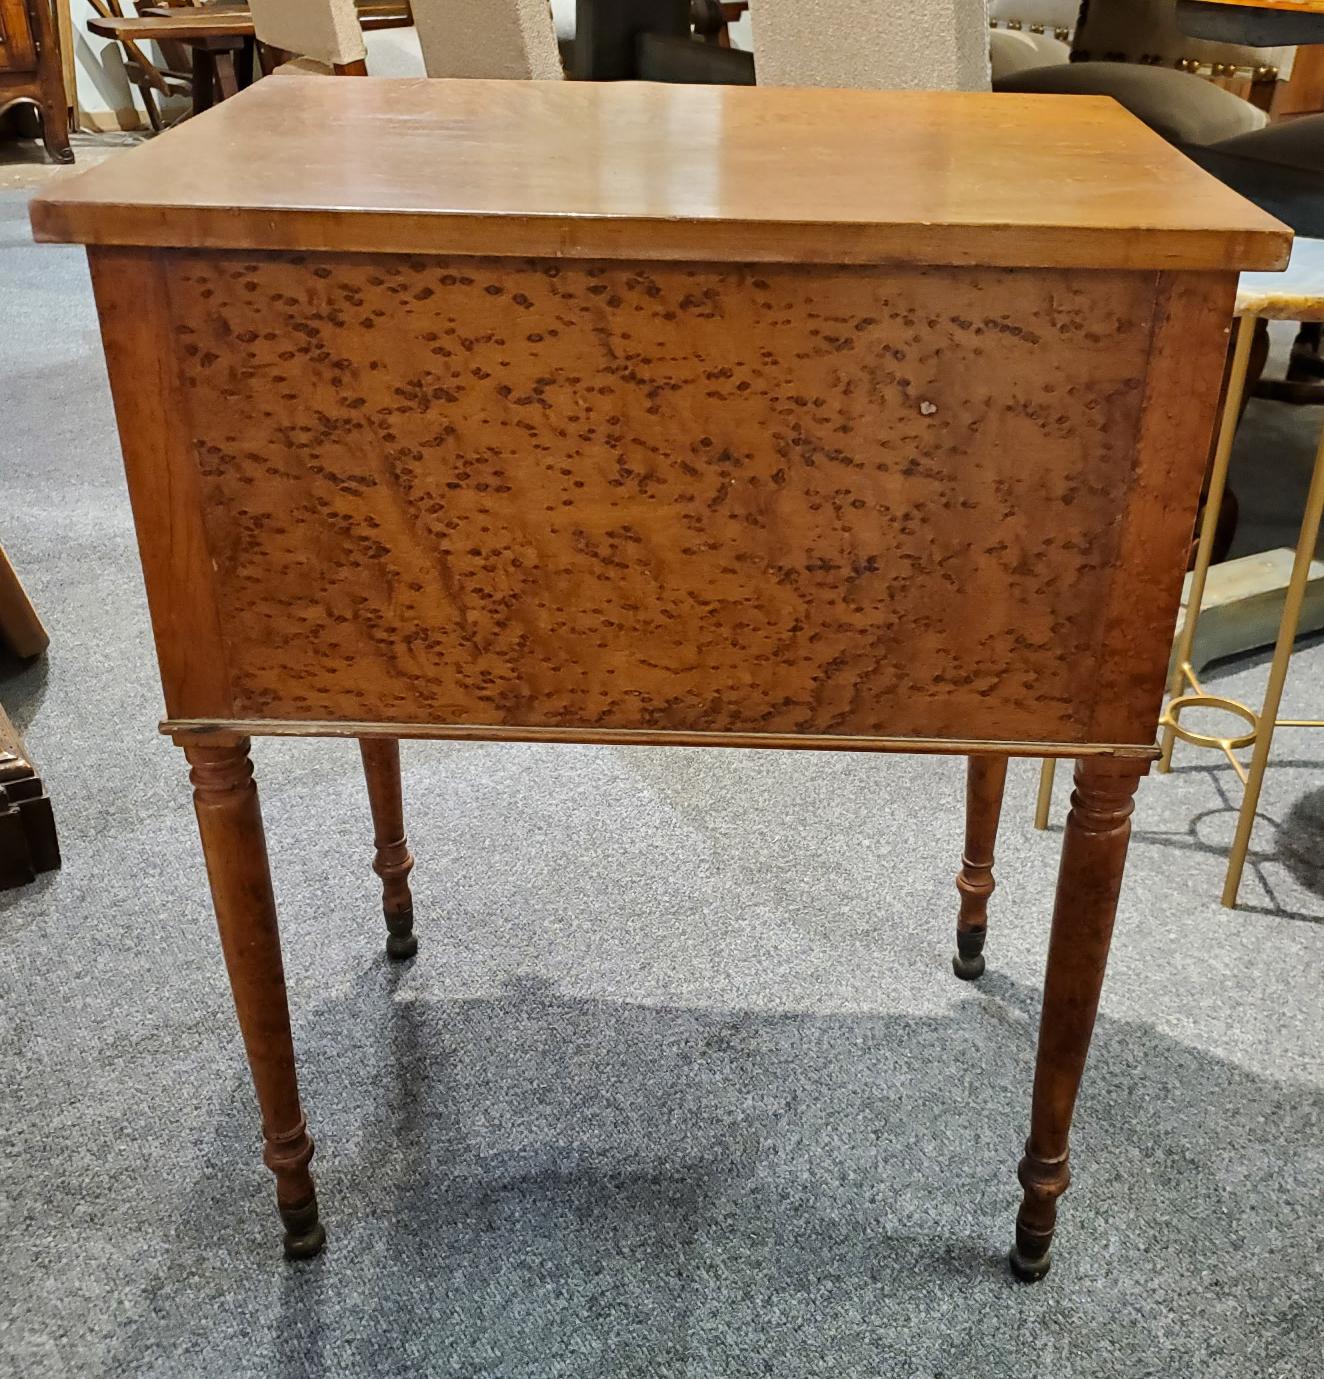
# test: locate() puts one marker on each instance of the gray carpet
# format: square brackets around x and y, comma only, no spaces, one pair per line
[680,1083]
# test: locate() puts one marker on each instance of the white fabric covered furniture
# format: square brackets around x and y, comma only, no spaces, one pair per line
[1018,50]
[890,44]
[1056,17]
[323,34]
[504,39]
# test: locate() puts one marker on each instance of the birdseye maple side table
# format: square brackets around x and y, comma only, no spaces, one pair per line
[705,416]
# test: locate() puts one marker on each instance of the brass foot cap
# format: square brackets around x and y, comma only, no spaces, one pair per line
[307,1245]
[401,946]
[304,1233]
[968,968]
[1028,1270]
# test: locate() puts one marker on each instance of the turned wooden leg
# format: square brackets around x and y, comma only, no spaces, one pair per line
[1093,855]
[393,862]
[235,847]
[986,777]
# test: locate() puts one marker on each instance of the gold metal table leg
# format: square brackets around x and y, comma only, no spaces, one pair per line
[1282,656]
[1047,772]
[1227,434]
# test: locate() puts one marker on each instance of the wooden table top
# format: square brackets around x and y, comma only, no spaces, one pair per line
[1287,6]
[220,21]
[1255,23]
[655,171]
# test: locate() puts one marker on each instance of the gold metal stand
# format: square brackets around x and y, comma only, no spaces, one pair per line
[1045,801]
[1184,689]
[1262,724]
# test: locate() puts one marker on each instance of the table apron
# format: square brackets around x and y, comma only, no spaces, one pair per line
[777,504]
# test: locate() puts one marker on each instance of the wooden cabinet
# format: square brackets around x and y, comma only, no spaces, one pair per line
[30,70]
[629,412]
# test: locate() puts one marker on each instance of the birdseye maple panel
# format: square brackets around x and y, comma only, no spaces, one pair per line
[791,499]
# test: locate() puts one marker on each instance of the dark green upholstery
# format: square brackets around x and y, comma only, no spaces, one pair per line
[1184,108]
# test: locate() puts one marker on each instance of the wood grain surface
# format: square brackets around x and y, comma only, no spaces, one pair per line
[191,25]
[1285,6]
[654,171]
[657,498]
[1192,313]
[164,488]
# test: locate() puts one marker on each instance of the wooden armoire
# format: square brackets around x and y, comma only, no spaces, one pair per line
[30,71]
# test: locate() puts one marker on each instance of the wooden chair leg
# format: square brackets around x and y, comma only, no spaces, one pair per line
[393,861]
[55,129]
[986,778]
[230,822]
[204,79]
[245,64]
[1093,857]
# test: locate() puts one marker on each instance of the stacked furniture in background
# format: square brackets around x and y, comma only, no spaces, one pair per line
[889,44]
[31,72]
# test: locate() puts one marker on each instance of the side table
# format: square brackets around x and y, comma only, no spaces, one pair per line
[633,413]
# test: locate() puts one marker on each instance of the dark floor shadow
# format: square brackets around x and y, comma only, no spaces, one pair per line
[1301,841]
[532,1183]
[22,686]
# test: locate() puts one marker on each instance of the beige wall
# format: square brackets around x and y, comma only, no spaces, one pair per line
[103,93]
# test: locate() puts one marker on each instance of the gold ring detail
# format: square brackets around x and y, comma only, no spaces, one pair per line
[1171,720]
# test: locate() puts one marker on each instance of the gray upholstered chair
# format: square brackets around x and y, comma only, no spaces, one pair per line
[1148,65]
[1280,168]
[1185,109]
[1134,51]
[1146,31]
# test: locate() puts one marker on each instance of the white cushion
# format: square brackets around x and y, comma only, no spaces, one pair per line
[1018,51]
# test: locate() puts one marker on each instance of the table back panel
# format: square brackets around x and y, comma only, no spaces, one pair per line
[868,502]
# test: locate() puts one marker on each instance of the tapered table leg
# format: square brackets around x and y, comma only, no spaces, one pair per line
[1093,856]
[986,778]
[235,847]
[393,861]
